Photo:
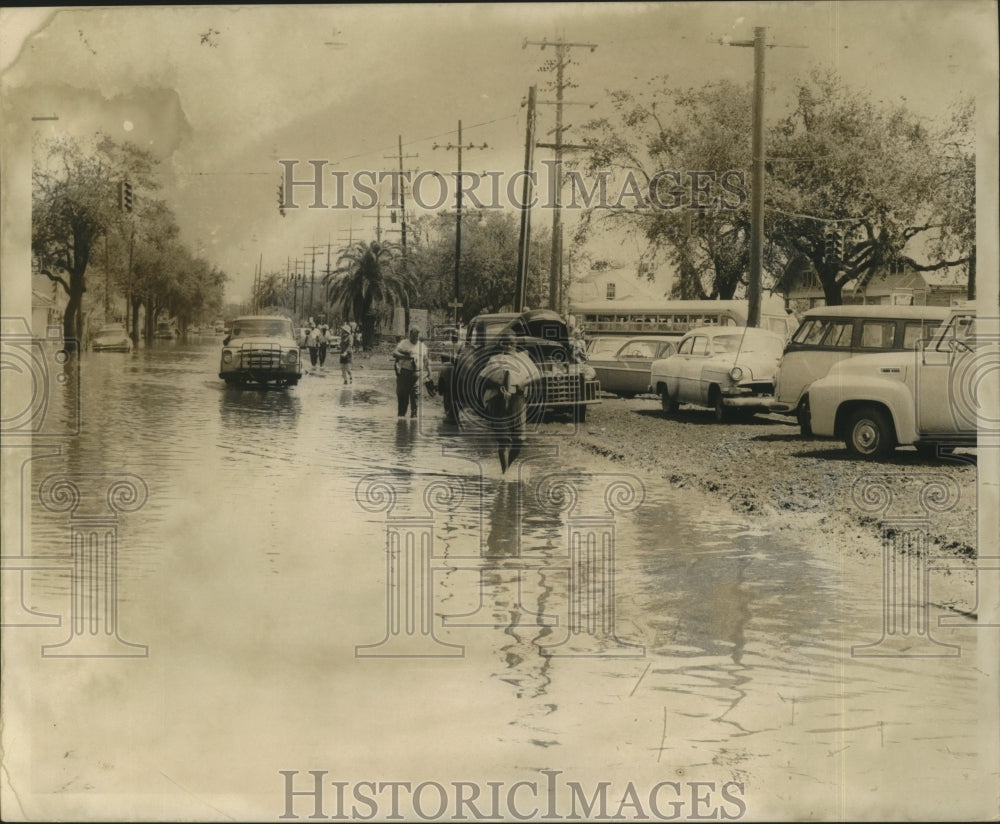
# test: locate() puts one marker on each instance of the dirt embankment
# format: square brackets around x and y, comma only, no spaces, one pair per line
[765,470]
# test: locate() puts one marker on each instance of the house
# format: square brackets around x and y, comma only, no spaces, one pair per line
[48,302]
[612,283]
[907,287]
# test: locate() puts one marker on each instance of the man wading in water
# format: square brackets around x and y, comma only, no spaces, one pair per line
[505,379]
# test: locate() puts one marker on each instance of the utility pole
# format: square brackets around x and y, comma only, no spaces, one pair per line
[457,303]
[758,44]
[378,222]
[560,62]
[402,195]
[349,231]
[402,223]
[311,251]
[524,238]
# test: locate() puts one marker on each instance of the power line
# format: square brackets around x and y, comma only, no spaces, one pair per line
[458,210]
[559,64]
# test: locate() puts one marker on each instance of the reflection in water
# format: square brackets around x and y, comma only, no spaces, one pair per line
[727,618]
[518,587]
[247,408]
[406,430]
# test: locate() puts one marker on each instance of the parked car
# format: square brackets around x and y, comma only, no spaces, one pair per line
[112,337]
[725,368]
[929,398]
[165,330]
[623,368]
[442,339]
[561,383]
[262,350]
[828,334]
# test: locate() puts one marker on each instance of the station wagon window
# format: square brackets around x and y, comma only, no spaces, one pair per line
[962,328]
[839,334]
[878,334]
[700,345]
[825,332]
[915,332]
[811,332]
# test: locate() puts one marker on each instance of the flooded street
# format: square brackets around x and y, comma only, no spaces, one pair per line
[625,647]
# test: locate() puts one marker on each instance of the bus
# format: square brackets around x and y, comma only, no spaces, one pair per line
[673,317]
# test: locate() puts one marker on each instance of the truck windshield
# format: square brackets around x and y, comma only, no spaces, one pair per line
[261,326]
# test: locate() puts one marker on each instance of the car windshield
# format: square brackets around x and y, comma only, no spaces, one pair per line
[261,326]
[487,331]
[745,343]
[603,347]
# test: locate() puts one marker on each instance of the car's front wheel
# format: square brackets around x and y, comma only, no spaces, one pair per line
[870,434]
[804,419]
[667,404]
[723,414]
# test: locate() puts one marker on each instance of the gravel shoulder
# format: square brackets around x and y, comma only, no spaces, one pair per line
[809,489]
[764,468]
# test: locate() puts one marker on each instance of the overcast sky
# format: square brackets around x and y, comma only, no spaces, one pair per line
[221,94]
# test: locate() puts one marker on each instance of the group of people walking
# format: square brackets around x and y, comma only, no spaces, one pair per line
[504,380]
[319,338]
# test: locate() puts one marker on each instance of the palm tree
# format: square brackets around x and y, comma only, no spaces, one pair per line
[368,275]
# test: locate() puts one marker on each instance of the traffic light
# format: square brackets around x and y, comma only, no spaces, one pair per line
[125,196]
[698,221]
[838,245]
[830,245]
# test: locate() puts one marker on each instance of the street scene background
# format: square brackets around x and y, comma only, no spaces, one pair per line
[643,618]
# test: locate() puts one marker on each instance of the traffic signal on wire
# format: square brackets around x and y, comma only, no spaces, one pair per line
[125,196]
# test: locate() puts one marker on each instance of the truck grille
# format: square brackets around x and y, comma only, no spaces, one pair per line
[260,356]
[564,390]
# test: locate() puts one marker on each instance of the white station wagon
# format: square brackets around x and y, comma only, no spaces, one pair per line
[725,368]
[939,396]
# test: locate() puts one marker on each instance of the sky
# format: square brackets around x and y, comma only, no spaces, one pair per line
[221,94]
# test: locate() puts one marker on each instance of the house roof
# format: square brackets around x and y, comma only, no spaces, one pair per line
[881,283]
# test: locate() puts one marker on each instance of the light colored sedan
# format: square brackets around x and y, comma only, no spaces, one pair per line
[622,364]
[112,338]
[721,367]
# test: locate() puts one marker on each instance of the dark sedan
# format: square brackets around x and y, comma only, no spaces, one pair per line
[622,364]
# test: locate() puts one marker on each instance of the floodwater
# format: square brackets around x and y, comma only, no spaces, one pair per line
[568,624]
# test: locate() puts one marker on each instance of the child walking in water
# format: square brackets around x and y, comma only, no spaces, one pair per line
[346,340]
